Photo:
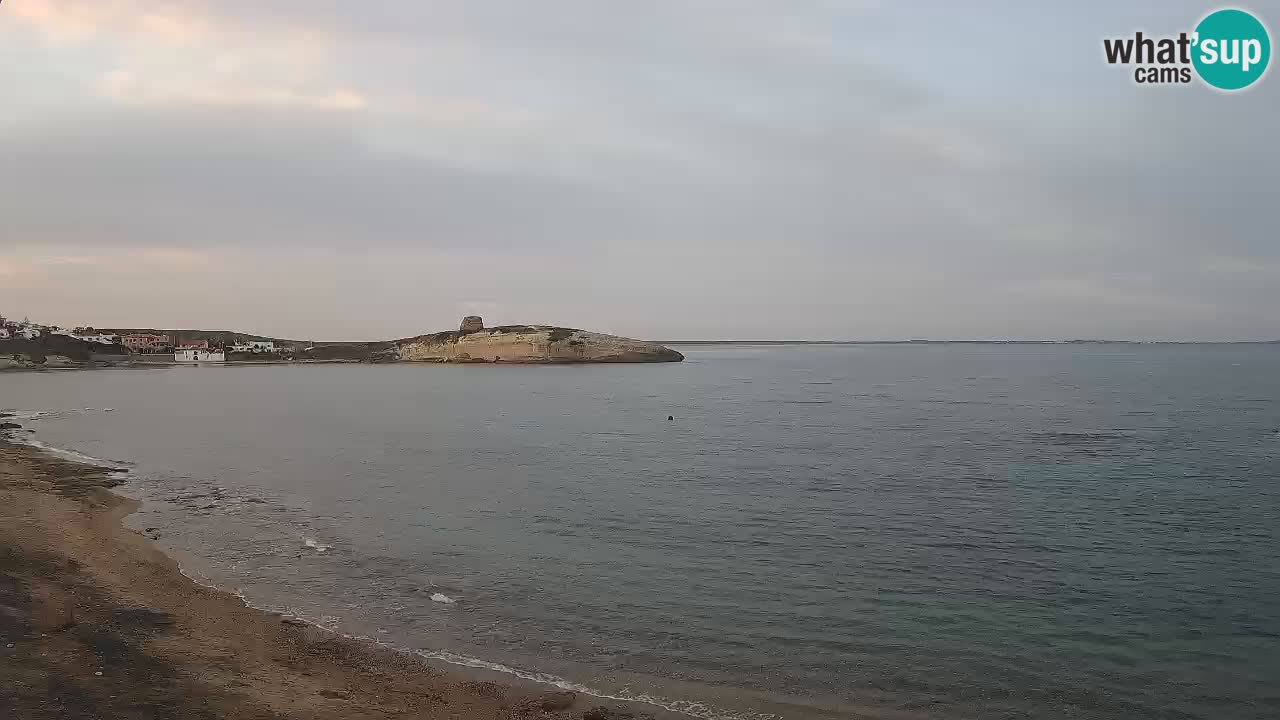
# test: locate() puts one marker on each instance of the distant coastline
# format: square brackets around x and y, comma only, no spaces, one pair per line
[31,346]
[969,342]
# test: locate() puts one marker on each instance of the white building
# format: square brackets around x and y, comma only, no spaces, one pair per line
[199,355]
[100,338]
[29,332]
[254,346]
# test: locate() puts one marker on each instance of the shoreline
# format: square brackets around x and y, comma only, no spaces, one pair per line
[147,365]
[95,620]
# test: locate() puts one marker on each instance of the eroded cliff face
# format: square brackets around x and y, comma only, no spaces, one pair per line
[530,344]
[20,361]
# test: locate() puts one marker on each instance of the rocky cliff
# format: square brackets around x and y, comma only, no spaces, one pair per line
[55,351]
[527,344]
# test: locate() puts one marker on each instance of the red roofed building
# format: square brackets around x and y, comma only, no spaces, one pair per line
[146,342]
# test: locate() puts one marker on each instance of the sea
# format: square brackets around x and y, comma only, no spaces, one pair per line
[762,531]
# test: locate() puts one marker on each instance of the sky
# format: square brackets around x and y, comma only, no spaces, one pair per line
[667,169]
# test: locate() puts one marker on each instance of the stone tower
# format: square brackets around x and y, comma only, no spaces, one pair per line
[471,323]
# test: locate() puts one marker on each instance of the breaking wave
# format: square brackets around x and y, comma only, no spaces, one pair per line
[328,623]
[73,455]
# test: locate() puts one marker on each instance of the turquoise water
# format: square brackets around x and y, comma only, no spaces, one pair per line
[951,531]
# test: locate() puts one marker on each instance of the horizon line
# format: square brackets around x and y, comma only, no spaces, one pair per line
[972,341]
[761,341]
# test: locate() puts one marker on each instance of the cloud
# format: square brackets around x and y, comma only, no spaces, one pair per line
[67,21]
[1243,266]
[124,86]
[166,53]
[671,169]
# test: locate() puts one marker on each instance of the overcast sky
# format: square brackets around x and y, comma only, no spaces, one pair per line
[667,169]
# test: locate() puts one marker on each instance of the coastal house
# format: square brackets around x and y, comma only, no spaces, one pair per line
[146,342]
[199,355]
[28,332]
[193,345]
[99,338]
[254,346]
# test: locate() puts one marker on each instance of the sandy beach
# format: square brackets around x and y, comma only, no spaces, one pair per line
[95,622]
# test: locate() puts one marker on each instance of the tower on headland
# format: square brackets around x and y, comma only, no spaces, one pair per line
[471,323]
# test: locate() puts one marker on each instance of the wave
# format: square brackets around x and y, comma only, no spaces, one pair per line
[690,708]
[330,624]
[38,414]
[65,453]
[1085,437]
[68,454]
[805,402]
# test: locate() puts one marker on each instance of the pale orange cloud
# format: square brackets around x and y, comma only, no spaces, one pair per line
[180,53]
[171,258]
[10,268]
[128,87]
[77,20]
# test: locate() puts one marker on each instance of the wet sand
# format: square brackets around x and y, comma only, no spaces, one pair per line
[95,622]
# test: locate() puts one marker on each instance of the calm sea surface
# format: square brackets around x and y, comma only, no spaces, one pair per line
[909,531]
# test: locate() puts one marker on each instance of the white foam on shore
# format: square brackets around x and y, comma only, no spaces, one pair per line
[330,624]
[683,707]
[37,414]
[65,453]
[69,454]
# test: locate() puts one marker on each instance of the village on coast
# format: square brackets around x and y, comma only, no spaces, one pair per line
[152,346]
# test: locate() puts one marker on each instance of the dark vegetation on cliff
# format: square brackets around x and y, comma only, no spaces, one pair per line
[40,349]
[440,337]
[291,349]
[31,353]
[330,350]
[555,334]
[215,337]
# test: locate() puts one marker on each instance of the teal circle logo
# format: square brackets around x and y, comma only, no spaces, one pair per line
[1232,49]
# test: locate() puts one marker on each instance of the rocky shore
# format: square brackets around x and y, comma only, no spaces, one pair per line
[473,342]
[95,622]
